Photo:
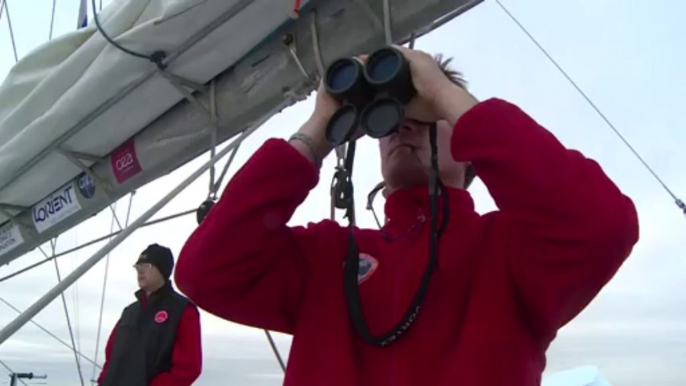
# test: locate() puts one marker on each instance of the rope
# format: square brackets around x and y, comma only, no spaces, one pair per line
[48,332]
[213,138]
[678,201]
[156,57]
[115,218]
[387,22]
[9,23]
[413,37]
[314,31]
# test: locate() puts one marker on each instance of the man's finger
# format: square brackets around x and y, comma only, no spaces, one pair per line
[401,48]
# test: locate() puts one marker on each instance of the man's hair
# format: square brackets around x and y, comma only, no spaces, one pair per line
[453,75]
[456,78]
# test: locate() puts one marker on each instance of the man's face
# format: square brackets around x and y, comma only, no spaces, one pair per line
[148,276]
[406,156]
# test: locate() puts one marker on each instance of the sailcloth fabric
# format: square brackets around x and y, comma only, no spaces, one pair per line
[79,80]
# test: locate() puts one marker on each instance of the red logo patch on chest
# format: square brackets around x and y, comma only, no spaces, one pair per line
[161,316]
[368,265]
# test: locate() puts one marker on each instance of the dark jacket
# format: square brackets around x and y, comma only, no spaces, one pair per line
[143,348]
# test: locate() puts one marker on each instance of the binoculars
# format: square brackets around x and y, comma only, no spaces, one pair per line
[372,95]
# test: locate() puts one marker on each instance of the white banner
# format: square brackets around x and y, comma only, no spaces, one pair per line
[55,208]
[10,238]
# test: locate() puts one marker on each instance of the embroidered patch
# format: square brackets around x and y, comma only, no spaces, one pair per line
[161,316]
[368,265]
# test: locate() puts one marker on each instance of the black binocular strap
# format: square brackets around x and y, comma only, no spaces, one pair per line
[351,269]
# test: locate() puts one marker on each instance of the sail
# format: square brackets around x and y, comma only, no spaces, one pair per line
[84,123]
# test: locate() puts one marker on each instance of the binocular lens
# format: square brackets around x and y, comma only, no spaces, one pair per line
[345,82]
[342,125]
[386,76]
[341,76]
[382,117]
[383,67]
[388,71]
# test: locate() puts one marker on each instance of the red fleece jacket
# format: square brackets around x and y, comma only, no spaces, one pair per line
[186,355]
[505,283]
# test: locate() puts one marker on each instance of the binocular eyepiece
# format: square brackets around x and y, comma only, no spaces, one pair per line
[372,95]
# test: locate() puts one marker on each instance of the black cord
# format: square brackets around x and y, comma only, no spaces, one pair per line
[156,57]
[351,269]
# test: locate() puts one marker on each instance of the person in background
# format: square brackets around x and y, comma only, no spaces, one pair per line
[156,342]
[504,282]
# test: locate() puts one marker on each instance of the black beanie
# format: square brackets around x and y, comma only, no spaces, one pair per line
[160,257]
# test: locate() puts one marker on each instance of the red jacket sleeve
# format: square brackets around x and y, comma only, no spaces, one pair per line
[108,354]
[243,263]
[570,227]
[187,352]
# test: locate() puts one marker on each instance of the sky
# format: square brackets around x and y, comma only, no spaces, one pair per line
[628,57]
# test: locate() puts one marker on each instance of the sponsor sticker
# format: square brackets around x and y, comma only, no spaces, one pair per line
[86,185]
[55,208]
[124,162]
[10,237]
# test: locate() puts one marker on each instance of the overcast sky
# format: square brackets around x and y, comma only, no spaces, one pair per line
[627,55]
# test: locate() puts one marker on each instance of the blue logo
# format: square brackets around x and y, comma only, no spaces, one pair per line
[86,185]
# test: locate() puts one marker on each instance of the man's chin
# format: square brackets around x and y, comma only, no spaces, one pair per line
[405,179]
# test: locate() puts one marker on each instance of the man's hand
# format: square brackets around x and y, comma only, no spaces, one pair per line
[316,148]
[315,128]
[437,97]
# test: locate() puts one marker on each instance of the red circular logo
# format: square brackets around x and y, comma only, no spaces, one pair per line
[161,316]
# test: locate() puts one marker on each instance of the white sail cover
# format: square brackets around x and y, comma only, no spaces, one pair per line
[58,86]
[80,100]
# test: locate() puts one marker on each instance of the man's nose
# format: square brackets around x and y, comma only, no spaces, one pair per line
[408,130]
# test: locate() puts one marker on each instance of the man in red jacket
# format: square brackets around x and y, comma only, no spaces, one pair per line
[504,284]
[157,339]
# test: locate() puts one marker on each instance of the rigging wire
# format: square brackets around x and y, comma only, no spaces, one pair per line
[9,24]
[52,18]
[276,350]
[66,311]
[99,239]
[76,306]
[218,183]
[677,200]
[11,372]
[104,281]
[156,57]
[8,304]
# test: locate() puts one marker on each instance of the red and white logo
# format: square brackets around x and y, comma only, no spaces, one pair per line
[368,265]
[124,162]
[161,316]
